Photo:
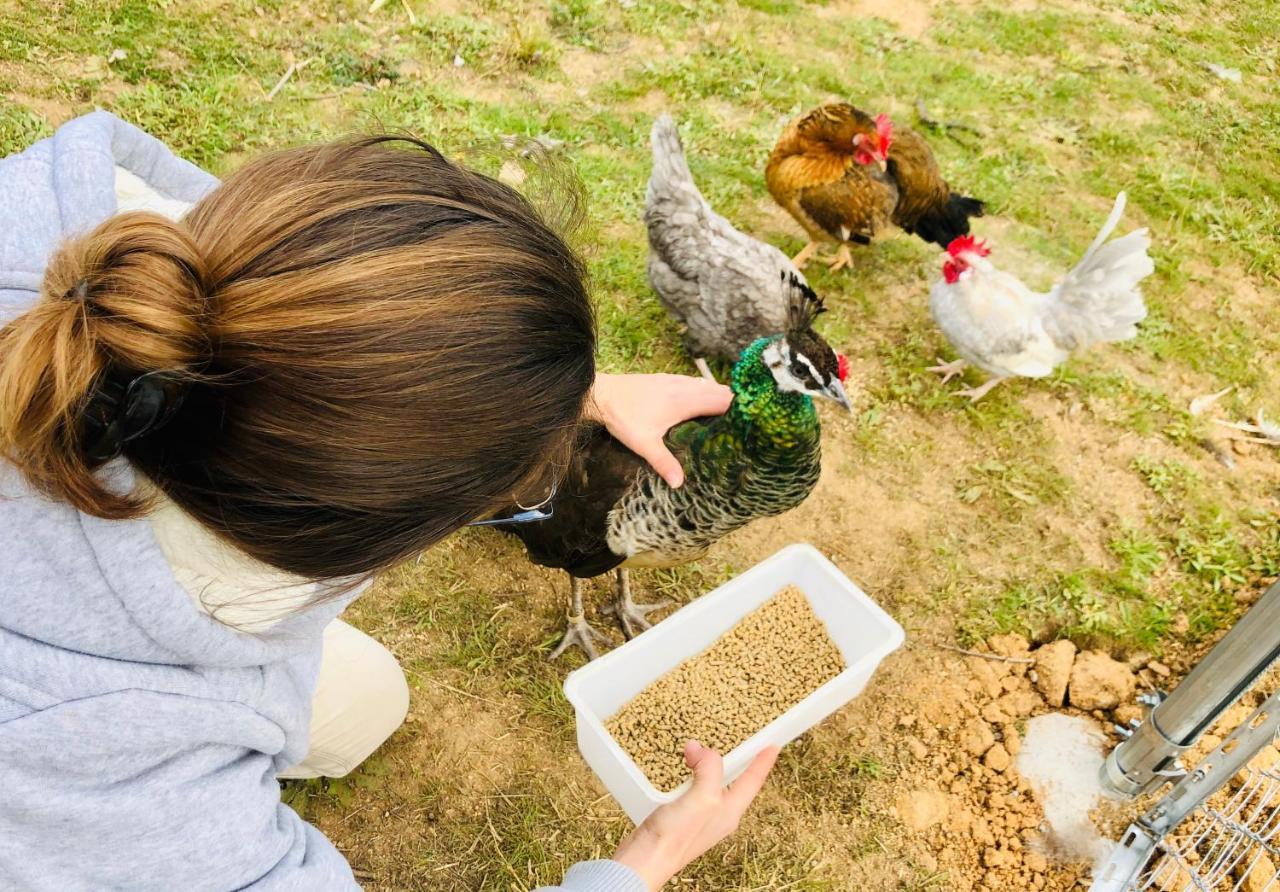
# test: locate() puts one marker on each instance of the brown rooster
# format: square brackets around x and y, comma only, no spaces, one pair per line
[845,176]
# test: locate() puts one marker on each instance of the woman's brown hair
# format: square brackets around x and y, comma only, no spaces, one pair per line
[374,346]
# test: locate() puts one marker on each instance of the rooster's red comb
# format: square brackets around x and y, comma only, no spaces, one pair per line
[968,244]
[884,132]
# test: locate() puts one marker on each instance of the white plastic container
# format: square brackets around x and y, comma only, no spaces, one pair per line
[864,633]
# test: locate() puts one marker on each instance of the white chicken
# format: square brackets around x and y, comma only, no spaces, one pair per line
[1000,325]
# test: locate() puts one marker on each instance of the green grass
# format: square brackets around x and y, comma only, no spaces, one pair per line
[1017,526]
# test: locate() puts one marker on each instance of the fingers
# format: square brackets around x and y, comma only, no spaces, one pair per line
[742,791]
[707,767]
[656,453]
[704,398]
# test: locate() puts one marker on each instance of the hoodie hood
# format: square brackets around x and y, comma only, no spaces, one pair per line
[75,582]
[64,186]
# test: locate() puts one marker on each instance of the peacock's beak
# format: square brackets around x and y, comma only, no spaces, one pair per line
[835,391]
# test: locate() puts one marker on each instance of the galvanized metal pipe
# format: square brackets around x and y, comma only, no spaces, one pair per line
[1149,758]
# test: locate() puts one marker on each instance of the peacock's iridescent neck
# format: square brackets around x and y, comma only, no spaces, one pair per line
[761,412]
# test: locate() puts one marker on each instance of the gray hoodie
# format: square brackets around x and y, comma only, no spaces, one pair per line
[139,738]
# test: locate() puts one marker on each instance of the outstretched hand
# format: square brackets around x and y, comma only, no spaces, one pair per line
[683,830]
[640,409]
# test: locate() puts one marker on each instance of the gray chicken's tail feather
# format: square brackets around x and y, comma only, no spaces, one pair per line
[671,175]
[1099,300]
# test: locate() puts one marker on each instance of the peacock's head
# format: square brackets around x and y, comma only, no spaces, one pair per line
[800,360]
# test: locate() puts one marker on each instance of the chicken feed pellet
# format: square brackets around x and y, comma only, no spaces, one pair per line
[771,660]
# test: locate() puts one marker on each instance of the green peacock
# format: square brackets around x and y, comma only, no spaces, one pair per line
[761,458]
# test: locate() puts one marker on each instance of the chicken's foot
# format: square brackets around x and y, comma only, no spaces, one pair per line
[577,631]
[843,260]
[976,393]
[947,370]
[805,253]
[632,616]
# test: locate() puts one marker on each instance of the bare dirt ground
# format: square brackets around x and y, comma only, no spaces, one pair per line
[1091,506]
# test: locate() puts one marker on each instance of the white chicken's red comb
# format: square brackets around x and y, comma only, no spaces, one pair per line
[968,244]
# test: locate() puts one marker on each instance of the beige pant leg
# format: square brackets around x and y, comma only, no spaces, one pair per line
[360,699]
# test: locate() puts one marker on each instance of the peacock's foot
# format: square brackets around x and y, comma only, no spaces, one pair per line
[579,632]
[843,260]
[976,393]
[633,617]
[947,370]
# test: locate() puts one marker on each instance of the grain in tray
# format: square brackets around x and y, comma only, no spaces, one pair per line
[771,660]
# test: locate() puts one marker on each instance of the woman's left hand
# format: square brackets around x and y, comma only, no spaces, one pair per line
[640,409]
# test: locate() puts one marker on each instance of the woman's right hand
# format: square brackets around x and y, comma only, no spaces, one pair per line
[681,831]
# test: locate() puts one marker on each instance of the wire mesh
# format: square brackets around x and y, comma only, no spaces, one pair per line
[1231,843]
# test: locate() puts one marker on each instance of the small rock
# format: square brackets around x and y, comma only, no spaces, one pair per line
[1159,669]
[1009,645]
[1035,862]
[1099,682]
[1019,704]
[996,858]
[997,758]
[1012,740]
[987,676]
[1138,661]
[1125,713]
[976,737]
[117,55]
[1265,760]
[1257,874]
[917,747]
[995,714]
[1014,646]
[1053,671]
[921,809]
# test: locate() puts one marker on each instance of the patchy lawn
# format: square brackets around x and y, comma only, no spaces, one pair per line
[1091,505]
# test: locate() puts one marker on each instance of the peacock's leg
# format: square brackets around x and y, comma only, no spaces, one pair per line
[947,370]
[578,631]
[976,393]
[843,259]
[631,616]
[805,253]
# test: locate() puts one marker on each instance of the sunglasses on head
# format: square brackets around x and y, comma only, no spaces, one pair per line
[531,514]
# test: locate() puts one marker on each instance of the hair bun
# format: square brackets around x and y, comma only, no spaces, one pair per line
[123,302]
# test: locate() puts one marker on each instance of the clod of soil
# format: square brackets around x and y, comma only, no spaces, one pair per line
[922,809]
[1053,671]
[1099,682]
[771,660]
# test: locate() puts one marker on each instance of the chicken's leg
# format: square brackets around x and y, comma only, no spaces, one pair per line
[843,259]
[578,631]
[631,616]
[947,370]
[976,393]
[805,253]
